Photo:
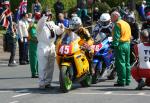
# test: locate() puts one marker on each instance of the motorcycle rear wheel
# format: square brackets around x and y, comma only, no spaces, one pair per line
[64,79]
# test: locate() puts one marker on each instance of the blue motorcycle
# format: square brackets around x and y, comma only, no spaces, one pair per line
[103,59]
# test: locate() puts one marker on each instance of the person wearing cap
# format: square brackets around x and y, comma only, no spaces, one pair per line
[10,36]
[121,44]
[46,35]
[141,69]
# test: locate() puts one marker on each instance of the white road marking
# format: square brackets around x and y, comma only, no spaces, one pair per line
[5,91]
[141,93]
[3,64]
[15,102]
[19,95]
[22,91]
[110,93]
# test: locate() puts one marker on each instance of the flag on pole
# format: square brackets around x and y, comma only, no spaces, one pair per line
[4,18]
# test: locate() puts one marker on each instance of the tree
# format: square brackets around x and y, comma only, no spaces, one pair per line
[45,3]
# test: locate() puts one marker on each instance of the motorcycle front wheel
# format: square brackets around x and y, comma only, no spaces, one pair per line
[64,79]
[87,81]
[98,73]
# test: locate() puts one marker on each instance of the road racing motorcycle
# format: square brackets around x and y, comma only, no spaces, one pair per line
[103,59]
[72,61]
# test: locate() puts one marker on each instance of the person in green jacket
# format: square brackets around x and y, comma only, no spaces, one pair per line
[121,44]
[33,50]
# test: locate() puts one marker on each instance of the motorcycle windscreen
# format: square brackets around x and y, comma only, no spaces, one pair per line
[98,38]
[69,37]
[69,44]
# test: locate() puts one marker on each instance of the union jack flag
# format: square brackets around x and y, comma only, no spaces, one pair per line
[4,18]
[22,8]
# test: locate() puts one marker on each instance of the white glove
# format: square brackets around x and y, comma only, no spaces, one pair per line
[53,49]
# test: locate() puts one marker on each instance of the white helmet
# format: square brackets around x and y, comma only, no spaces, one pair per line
[105,20]
[75,23]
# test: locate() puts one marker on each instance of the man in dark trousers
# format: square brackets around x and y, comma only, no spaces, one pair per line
[10,36]
[23,39]
[58,7]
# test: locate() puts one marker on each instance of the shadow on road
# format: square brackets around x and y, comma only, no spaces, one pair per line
[114,89]
[55,90]
[15,78]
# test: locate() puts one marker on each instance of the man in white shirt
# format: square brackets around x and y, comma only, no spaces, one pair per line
[142,68]
[46,35]
[23,39]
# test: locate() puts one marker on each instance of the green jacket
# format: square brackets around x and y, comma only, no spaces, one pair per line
[33,33]
[121,32]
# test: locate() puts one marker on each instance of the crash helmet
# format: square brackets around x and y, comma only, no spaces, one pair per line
[105,20]
[75,23]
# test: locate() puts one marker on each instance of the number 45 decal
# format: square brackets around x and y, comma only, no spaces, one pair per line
[64,49]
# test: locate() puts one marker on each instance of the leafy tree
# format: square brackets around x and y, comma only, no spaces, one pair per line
[45,3]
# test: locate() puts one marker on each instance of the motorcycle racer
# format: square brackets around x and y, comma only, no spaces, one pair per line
[104,25]
[83,33]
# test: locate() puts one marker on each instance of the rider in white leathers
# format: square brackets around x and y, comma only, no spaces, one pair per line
[104,25]
[46,36]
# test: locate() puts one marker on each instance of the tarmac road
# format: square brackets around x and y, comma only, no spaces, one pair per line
[16,86]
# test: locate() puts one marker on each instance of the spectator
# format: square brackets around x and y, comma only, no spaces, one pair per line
[121,45]
[142,68]
[65,15]
[134,26]
[63,20]
[86,19]
[30,17]
[36,7]
[58,7]
[123,10]
[142,10]
[10,36]
[46,30]
[79,12]
[82,4]
[96,14]
[33,49]
[15,18]
[1,6]
[146,24]
[23,39]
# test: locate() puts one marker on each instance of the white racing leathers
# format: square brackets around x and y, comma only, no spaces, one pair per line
[46,36]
